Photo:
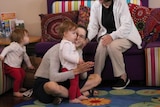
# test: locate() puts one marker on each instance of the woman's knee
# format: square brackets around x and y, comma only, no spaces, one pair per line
[49,87]
[100,47]
[113,48]
[52,88]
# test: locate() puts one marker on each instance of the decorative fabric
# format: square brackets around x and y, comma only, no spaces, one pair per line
[152,66]
[153,25]
[148,92]
[83,17]
[69,5]
[122,92]
[96,101]
[50,23]
[139,14]
[138,2]
[58,6]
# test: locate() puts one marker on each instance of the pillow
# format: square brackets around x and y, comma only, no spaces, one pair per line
[139,14]
[153,25]
[50,23]
[83,17]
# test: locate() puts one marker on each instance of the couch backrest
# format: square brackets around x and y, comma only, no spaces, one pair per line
[78,11]
[57,6]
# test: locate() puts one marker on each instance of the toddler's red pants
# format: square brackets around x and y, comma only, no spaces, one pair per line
[74,90]
[18,75]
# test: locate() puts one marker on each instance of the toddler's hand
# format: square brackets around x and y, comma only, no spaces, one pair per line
[31,67]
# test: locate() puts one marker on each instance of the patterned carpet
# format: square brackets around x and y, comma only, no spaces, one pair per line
[130,97]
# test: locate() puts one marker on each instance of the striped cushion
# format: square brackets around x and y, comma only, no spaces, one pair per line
[58,6]
[64,6]
[5,81]
[153,66]
[138,2]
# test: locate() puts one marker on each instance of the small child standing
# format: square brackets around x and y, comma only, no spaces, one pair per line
[69,57]
[13,55]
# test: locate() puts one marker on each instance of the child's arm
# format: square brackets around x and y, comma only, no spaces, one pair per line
[5,51]
[28,62]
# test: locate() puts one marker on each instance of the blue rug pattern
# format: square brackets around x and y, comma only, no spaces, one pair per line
[130,97]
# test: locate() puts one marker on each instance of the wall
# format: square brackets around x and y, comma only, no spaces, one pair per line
[27,10]
[154,4]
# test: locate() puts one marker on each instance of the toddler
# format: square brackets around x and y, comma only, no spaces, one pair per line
[13,55]
[69,57]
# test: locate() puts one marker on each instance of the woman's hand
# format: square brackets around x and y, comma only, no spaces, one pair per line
[83,67]
[107,39]
[31,67]
[81,61]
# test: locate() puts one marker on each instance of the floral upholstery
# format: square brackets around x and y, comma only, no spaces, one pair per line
[153,25]
[139,14]
[83,17]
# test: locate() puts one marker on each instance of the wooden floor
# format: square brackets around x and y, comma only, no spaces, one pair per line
[8,100]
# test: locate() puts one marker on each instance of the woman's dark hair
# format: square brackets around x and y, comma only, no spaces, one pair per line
[85,28]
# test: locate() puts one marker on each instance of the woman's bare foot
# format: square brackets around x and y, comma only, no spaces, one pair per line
[75,101]
[17,94]
[91,93]
[82,97]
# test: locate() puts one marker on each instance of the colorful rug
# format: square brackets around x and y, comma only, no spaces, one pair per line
[130,97]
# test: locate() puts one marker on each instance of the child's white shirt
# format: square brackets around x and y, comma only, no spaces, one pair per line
[69,55]
[14,54]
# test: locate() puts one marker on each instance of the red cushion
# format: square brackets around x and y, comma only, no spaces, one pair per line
[83,17]
[139,15]
[50,23]
[153,24]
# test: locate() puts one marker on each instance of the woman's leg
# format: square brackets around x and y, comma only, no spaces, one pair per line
[92,81]
[115,50]
[100,57]
[54,89]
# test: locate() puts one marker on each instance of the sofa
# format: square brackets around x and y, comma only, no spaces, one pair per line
[134,58]
[136,63]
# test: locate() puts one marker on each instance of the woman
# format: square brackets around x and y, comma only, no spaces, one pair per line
[111,21]
[50,84]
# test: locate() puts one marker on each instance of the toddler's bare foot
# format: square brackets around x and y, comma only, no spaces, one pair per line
[75,101]
[17,94]
[82,97]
